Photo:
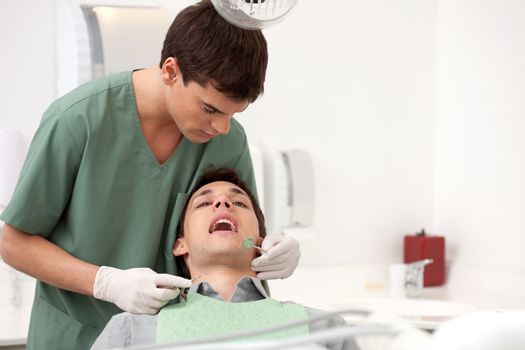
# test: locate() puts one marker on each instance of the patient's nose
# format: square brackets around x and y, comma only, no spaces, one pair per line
[222,201]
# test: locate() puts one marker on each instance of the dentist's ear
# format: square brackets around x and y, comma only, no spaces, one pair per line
[169,77]
[170,71]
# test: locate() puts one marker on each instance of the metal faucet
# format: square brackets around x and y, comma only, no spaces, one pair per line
[414,278]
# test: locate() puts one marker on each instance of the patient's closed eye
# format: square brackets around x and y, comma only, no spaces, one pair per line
[240,204]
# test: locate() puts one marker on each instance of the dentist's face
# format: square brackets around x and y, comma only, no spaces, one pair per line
[219,216]
[200,112]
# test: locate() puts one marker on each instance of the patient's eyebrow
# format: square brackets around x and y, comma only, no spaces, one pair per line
[203,193]
[232,190]
[238,191]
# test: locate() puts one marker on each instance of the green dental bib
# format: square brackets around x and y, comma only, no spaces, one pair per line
[201,316]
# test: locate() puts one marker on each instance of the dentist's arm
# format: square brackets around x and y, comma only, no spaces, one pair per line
[45,261]
[139,290]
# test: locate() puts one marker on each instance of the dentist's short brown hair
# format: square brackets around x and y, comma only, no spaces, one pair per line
[208,49]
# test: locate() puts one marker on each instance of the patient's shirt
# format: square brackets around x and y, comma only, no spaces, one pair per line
[126,329]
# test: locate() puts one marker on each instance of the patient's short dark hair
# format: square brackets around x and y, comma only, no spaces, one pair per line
[210,175]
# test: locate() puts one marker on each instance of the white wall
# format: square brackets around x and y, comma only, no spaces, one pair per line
[380,92]
[350,81]
[353,83]
[28,60]
[480,143]
[27,63]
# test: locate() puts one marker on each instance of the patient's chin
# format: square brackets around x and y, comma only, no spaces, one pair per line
[231,256]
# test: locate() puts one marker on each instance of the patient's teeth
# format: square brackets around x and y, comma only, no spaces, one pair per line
[224,221]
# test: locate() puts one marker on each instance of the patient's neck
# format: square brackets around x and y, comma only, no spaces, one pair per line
[222,279]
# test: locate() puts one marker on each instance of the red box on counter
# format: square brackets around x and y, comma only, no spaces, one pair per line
[422,246]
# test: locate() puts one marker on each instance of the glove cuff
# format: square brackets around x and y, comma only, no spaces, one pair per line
[101,285]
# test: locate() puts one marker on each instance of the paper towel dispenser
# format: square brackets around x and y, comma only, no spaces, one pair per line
[288,191]
[301,194]
[97,38]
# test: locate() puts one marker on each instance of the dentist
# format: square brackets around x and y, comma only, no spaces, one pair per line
[108,173]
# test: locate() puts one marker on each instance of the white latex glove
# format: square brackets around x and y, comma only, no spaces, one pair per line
[280,258]
[139,290]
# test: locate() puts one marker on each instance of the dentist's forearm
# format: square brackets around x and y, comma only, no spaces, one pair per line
[47,262]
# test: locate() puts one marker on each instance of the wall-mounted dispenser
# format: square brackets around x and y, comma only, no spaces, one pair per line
[288,191]
[97,38]
[11,159]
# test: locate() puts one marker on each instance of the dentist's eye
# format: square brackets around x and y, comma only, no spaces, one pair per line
[240,204]
[203,204]
[208,110]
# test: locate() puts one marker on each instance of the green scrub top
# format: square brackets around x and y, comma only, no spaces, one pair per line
[91,185]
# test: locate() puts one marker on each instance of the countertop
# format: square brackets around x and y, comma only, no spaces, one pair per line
[325,288]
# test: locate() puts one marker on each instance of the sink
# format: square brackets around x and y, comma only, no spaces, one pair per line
[422,313]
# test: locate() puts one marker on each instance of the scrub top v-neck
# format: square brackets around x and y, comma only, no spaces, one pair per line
[91,185]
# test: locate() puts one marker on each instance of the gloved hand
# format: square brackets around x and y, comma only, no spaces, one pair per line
[139,290]
[280,258]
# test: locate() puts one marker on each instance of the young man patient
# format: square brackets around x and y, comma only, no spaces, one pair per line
[217,238]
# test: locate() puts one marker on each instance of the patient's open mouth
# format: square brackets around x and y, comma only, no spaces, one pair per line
[223,224]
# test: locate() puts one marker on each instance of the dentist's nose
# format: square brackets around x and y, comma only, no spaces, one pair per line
[222,201]
[221,124]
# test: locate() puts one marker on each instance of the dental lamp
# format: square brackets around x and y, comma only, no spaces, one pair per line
[254,14]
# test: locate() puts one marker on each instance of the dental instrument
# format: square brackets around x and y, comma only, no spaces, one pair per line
[183,294]
[296,342]
[249,242]
[309,341]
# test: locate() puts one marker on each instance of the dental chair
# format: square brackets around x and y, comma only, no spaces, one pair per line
[488,330]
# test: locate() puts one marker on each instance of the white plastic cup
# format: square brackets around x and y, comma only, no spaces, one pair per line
[397,274]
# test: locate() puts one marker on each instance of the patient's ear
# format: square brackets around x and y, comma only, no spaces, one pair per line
[180,248]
